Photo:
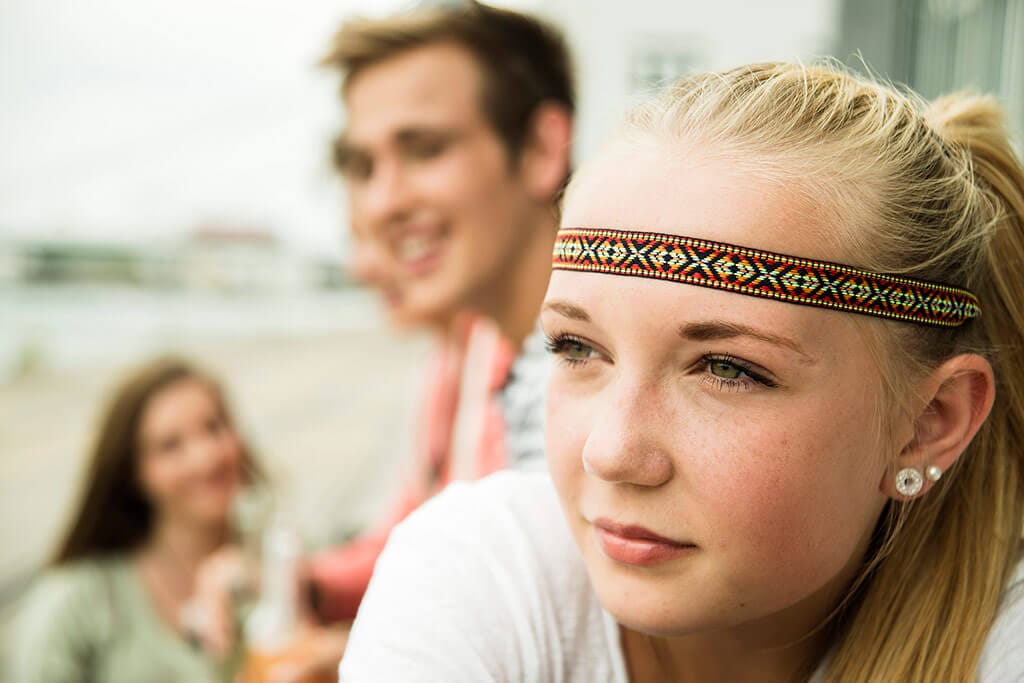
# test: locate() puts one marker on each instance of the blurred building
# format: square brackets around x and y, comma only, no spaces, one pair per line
[241,259]
[55,261]
[10,264]
[211,258]
[937,46]
[625,50]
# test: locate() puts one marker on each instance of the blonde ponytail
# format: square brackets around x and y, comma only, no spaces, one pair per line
[936,192]
[937,591]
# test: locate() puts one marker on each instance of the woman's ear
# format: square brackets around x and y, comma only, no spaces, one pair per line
[544,160]
[959,395]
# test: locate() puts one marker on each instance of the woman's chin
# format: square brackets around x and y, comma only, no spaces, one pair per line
[212,512]
[667,615]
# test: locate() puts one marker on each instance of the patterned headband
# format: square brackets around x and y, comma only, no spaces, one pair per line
[762,273]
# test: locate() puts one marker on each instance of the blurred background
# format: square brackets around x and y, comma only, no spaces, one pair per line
[165,186]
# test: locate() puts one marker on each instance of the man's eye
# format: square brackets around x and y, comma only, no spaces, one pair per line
[356,168]
[351,163]
[427,149]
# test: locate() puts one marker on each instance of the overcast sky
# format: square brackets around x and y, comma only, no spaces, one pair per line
[140,119]
[144,119]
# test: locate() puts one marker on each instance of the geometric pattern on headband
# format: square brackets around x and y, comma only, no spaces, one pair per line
[762,273]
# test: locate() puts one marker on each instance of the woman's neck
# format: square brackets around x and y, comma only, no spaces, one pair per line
[781,647]
[721,657]
[168,563]
[183,545]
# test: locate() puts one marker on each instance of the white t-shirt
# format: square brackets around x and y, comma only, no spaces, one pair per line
[484,584]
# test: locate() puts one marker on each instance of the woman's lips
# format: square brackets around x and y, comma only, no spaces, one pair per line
[636,545]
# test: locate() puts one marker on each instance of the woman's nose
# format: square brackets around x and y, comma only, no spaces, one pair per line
[208,449]
[628,442]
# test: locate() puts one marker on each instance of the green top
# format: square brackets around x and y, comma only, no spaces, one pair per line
[93,621]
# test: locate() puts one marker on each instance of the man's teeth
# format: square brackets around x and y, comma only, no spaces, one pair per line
[413,248]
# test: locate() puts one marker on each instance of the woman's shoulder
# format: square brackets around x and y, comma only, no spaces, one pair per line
[506,490]
[1003,656]
[492,512]
[507,516]
[65,612]
[69,588]
[482,583]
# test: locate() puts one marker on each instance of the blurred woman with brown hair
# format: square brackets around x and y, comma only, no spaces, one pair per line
[165,469]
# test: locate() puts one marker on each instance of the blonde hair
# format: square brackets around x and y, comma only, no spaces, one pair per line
[933,191]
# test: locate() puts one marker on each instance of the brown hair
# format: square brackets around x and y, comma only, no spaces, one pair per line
[524,62]
[933,191]
[113,514]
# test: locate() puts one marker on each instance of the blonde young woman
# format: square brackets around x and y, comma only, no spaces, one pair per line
[785,426]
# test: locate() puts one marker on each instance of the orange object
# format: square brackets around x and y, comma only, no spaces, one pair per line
[262,666]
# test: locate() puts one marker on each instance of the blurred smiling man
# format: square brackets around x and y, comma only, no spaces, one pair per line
[457,142]
[456,147]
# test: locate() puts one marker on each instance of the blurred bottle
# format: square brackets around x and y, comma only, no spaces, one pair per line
[277,630]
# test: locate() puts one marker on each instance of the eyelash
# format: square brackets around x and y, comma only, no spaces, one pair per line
[557,344]
[726,384]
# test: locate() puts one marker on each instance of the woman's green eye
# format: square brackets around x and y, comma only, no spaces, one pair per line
[725,370]
[570,351]
[577,351]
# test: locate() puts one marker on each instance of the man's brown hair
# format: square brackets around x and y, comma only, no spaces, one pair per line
[524,62]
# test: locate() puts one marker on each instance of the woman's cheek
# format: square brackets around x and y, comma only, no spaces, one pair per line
[797,518]
[161,478]
[566,429]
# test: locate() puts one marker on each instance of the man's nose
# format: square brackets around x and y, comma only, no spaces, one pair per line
[384,197]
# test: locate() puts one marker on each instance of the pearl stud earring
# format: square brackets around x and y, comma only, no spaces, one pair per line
[933,473]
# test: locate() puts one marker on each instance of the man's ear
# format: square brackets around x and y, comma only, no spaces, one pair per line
[959,395]
[544,160]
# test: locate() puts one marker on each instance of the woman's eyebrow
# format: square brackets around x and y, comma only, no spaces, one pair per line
[571,311]
[708,330]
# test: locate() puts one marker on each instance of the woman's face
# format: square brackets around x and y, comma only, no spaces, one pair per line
[741,429]
[190,457]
